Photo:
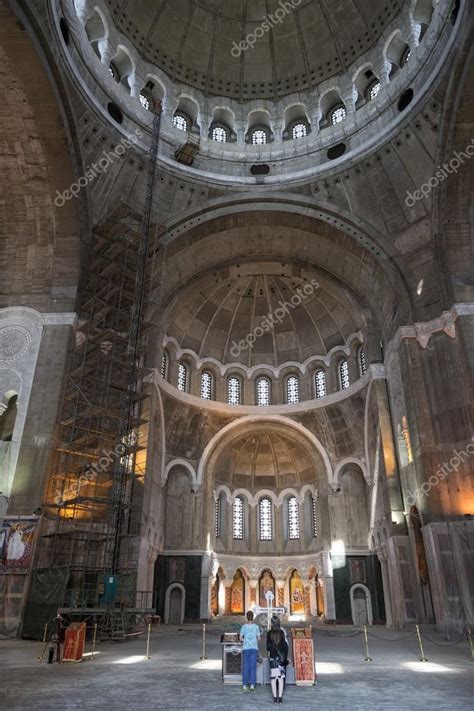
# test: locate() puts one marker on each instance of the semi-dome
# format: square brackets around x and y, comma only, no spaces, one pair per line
[264,459]
[262,314]
[253,49]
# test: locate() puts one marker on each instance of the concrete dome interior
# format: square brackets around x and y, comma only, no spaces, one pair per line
[311,315]
[191,40]
[263,459]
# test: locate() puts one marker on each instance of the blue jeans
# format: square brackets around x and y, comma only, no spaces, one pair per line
[249,667]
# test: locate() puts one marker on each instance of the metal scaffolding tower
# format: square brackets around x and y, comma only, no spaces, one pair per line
[89,526]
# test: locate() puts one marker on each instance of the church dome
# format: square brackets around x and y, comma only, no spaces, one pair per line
[262,314]
[256,49]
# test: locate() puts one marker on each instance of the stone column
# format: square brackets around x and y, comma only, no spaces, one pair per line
[253,588]
[382,556]
[280,593]
[224,597]
[206,580]
[307,600]
[329,598]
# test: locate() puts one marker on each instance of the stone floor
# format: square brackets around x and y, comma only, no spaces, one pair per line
[175,677]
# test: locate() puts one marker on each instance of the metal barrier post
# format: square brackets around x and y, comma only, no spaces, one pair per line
[422,652]
[204,641]
[94,640]
[45,644]
[148,642]
[368,658]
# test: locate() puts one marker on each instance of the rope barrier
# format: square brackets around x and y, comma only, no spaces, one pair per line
[394,639]
[442,644]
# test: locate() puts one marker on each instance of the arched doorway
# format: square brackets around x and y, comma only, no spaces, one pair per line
[174,604]
[361,605]
[296,594]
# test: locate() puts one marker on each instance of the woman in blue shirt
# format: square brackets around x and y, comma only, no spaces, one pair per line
[249,635]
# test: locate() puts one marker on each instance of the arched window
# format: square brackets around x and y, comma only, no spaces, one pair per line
[373,89]
[362,362]
[299,130]
[144,99]
[181,121]
[207,385]
[238,519]
[292,390]
[164,365]
[218,517]
[219,134]
[344,381]
[265,520]
[314,517]
[234,396]
[293,519]
[259,137]
[320,387]
[263,391]
[337,114]
[182,378]
[113,72]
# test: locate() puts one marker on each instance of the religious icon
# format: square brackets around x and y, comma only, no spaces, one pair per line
[267,584]
[296,594]
[237,596]
[17,544]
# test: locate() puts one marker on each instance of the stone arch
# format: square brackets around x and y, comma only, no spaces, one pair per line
[233,429]
[182,463]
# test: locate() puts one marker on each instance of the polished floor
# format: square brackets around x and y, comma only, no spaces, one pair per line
[176,678]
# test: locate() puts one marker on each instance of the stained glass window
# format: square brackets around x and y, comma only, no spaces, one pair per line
[144,100]
[238,519]
[207,385]
[265,523]
[218,517]
[259,137]
[164,365]
[315,517]
[292,390]
[344,381]
[181,122]
[320,387]
[233,391]
[219,134]
[182,378]
[300,130]
[337,114]
[263,391]
[293,519]
[374,89]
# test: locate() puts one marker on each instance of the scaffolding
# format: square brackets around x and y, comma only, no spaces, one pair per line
[91,517]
